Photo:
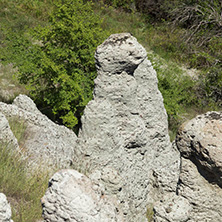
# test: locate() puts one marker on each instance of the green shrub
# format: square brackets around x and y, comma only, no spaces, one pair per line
[58,59]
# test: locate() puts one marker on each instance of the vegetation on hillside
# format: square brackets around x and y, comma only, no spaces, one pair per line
[189,32]
[23,190]
[56,59]
[52,42]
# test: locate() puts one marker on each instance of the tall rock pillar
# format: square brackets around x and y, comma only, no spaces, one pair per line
[124,137]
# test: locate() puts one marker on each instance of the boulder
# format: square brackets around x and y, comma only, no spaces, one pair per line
[5,209]
[124,142]
[71,196]
[43,140]
[25,103]
[205,198]
[200,141]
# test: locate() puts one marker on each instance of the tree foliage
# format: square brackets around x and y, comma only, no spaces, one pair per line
[61,69]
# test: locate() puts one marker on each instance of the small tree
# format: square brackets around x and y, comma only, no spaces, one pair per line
[62,69]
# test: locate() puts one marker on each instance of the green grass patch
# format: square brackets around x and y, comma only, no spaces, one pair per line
[169,53]
[23,187]
[23,190]
[9,84]
[19,128]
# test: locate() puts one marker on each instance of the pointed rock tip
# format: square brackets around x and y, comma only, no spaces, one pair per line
[118,53]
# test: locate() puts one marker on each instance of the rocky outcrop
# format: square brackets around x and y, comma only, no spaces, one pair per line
[200,143]
[71,196]
[5,209]
[124,142]
[204,198]
[44,140]
[200,140]
[199,187]
[134,172]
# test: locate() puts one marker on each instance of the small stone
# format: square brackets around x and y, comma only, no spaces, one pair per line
[5,209]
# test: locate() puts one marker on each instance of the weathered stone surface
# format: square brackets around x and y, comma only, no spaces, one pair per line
[120,52]
[124,137]
[204,198]
[5,209]
[26,103]
[72,197]
[172,208]
[44,141]
[6,135]
[201,141]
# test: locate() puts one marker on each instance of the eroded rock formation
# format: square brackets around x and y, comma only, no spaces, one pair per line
[124,149]
[199,187]
[124,137]
[44,140]
[200,140]
[71,196]
[200,144]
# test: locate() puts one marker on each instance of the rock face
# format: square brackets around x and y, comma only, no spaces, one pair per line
[124,137]
[71,196]
[134,172]
[5,209]
[199,188]
[44,141]
[172,208]
[200,140]
[200,144]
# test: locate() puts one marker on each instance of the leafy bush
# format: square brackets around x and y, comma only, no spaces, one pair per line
[58,59]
